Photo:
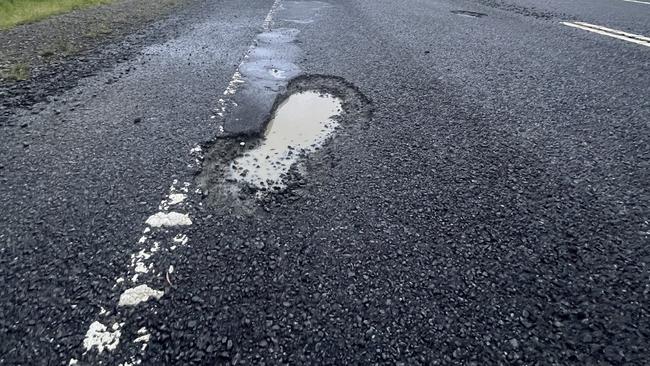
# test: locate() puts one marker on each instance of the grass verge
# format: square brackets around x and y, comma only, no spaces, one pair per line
[15,72]
[14,12]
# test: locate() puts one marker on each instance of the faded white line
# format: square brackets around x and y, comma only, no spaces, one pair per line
[136,295]
[144,338]
[98,335]
[170,219]
[176,198]
[268,21]
[236,80]
[630,37]
[637,1]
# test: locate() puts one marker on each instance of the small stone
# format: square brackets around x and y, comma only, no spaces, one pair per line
[24,125]
[514,343]
[526,323]
[612,354]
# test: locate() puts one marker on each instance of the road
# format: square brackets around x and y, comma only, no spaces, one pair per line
[485,200]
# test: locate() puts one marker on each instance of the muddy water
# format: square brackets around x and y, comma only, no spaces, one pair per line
[300,124]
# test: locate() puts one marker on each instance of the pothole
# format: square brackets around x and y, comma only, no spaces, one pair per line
[245,168]
[467,13]
[300,125]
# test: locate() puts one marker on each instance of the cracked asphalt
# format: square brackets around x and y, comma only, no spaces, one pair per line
[485,201]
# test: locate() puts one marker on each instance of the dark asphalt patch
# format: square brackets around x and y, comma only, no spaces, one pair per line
[302,12]
[263,74]
[356,111]
[468,13]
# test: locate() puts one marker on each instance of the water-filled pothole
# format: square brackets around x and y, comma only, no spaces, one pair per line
[300,125]
[467,13]
[236,172]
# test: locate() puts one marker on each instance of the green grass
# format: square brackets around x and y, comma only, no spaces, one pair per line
[98,30]
[16,72]
[14,12]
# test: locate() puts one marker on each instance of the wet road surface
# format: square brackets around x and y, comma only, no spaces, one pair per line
[484,199]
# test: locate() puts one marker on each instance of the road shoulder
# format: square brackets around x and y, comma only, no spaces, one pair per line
[43,58]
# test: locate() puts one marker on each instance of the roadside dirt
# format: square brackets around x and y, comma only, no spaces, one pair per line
[40,58]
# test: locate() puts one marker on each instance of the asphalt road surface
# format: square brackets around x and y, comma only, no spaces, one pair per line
[484,201]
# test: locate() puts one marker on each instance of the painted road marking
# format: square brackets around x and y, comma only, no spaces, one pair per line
[225,103]
[630,37]
[637,1]
[99,336]
[169,219]
[136,295]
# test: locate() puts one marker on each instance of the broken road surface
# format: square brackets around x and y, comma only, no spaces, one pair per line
[470,188]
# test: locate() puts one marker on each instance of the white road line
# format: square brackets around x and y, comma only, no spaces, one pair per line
[610,30]
[268,21]
[634,38]
[225,103]
[98,335]
[637,1]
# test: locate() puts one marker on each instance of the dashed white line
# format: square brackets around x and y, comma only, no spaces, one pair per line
[176,198]
[625,36]
[161,219]
[136,295]
[268,21]
[98,335]
[181,239]
[236,80]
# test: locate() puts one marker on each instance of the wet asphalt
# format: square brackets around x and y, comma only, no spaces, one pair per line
[491,209]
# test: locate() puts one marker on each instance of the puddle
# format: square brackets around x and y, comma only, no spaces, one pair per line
[300,124]
[467,13]
[240,170]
